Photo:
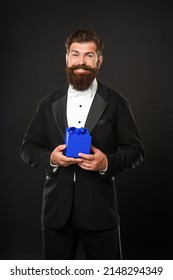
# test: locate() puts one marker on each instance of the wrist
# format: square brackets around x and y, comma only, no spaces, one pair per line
[105,166]
[53,163]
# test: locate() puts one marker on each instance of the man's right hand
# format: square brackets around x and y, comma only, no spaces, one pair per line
[57,157]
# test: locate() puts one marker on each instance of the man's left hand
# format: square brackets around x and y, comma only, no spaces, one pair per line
[93,162]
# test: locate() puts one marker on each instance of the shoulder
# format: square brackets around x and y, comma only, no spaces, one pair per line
[112,94]
[53,96]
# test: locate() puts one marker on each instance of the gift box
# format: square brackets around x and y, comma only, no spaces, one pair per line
[77,140]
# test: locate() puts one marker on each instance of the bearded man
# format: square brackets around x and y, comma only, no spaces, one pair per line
[79,195]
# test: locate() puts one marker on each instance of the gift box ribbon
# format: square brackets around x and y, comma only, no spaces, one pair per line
[78,131]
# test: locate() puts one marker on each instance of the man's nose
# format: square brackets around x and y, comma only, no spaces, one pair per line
[81,60]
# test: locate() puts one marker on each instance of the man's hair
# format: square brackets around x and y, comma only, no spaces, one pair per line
[84,36]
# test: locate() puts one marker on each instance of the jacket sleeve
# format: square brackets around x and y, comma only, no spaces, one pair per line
[35,150]
[130,152]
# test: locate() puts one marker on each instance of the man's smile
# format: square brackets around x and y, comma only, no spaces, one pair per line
[79,71]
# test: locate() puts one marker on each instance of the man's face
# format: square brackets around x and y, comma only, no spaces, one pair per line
[82,64]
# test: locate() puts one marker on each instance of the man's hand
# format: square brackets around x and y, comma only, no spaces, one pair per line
[95,162]
[57,157]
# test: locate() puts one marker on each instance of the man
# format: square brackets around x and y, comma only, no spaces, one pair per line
[79,196]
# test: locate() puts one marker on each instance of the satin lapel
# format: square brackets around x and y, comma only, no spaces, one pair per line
[59,112]
[97,109]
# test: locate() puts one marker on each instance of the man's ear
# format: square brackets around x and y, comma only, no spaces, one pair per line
[66,58]
[100,60]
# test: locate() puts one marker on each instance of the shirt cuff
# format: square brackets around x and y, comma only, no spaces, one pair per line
[54,166]
[103,171]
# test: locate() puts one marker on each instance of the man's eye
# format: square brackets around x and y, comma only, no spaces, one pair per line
[89,55]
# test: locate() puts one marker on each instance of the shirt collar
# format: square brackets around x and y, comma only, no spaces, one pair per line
[90,92]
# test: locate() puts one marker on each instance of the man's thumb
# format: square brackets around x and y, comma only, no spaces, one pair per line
[61,147]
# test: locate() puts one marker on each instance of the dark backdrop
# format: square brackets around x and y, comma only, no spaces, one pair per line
[138,39]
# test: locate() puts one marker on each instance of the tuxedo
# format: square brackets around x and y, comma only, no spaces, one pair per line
[113,129]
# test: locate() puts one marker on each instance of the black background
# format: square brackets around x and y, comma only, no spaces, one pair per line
[138,38]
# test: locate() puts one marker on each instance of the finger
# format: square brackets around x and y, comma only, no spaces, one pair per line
[67,159]
[93,149]
[86,156]
[85,166]
[61,148]
[70,159]
[78,160]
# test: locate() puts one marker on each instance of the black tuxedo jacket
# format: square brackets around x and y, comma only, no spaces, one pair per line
[114,132]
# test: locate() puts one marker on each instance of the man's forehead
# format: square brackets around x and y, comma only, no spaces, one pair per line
[83,47]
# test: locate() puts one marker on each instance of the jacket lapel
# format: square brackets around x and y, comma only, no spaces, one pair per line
[98,107]
[59,112]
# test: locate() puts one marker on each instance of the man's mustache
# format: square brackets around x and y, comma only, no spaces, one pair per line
[81,66]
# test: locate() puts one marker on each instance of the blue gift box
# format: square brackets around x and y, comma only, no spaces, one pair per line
[77,140]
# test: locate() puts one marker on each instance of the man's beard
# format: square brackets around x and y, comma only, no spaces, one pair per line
[81,81]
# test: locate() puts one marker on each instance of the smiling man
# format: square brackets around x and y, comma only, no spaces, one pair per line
[82,63]
[79,196]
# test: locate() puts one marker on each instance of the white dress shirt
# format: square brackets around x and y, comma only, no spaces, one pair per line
[78,104]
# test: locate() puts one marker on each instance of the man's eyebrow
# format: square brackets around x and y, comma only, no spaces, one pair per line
[91,52]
